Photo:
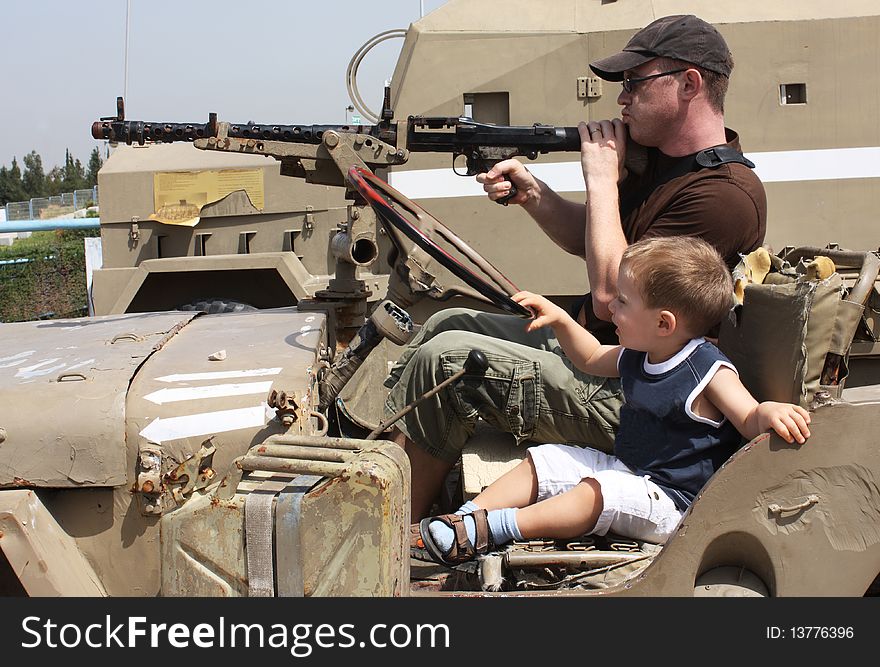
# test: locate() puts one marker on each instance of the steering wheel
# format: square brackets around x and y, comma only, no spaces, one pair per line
[400,213]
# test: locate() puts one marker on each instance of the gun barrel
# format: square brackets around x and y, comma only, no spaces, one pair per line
[136,131]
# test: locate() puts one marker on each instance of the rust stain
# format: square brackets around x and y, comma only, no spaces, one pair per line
[170,334]
[317,493]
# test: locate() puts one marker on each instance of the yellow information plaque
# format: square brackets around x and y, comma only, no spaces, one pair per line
[178,196]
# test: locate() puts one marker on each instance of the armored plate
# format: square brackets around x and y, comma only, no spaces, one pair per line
[62,396]
[186,395]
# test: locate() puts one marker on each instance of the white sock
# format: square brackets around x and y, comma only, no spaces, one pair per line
[502,528]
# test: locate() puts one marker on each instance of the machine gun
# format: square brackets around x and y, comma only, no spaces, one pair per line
[480,145]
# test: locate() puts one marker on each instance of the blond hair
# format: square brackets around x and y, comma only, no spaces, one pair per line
[684,275]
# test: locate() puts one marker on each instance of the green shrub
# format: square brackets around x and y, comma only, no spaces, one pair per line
[44,276]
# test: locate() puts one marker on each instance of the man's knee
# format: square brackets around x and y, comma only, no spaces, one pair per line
[448,319]
[447,349]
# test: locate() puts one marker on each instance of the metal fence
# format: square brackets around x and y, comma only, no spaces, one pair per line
[44,208]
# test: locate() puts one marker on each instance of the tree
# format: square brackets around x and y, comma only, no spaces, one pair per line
[11,187]
[74,175]
[4,185]
[95,163]
[33,179]
[55,181]
[80,171]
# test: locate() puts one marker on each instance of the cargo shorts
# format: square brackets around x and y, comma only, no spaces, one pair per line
[531,389]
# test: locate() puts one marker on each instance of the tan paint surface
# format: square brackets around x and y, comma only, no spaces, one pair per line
[848,510]
[62,390]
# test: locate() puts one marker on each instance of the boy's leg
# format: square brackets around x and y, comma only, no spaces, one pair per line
[580,491]
[518,487]
[567,515]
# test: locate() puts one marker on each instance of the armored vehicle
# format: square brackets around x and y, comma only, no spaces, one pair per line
[242,453]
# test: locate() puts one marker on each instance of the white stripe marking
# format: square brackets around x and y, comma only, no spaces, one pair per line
[15,359]
[174,428]
[771,167]
[37,370]
[81,363]
[219,375]
[169,395]
[817,165]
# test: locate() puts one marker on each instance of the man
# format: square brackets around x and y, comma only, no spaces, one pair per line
[674,75]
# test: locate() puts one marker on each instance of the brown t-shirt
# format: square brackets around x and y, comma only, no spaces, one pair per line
[725,205]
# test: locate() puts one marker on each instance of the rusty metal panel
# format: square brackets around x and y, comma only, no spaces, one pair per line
[62,396]
[202,549]
[351,534]
[355,528]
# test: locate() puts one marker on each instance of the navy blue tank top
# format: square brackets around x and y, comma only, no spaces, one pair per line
[659,434]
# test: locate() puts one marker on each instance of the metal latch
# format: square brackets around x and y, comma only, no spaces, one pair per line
[589,87]
[776,508]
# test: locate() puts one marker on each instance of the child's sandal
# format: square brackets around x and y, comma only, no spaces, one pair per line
[462,549]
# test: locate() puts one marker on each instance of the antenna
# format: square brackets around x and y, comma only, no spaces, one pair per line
[127,24]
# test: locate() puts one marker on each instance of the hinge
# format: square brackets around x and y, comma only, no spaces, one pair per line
[589,87]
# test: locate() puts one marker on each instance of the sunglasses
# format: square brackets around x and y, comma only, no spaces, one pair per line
[628,83]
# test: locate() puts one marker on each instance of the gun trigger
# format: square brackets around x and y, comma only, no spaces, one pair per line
[457,168]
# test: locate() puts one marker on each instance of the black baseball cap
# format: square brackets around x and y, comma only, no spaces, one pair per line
[681,37]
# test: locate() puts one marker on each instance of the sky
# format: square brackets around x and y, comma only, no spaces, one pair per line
[266,61]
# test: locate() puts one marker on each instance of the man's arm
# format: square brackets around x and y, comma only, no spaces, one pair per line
[603,149]
[592,231]
[559,218]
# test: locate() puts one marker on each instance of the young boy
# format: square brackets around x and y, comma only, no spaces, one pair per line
[683,414]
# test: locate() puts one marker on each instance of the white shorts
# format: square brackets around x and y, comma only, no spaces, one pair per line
[633,506]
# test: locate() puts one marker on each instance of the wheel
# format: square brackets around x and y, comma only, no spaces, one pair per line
[217,305]
[397,213]
[730,582]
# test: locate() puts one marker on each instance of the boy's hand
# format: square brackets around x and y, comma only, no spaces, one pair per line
[546,312]
[789,421]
